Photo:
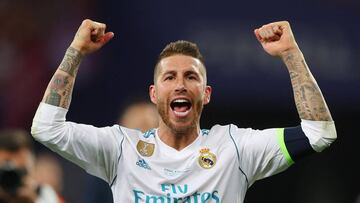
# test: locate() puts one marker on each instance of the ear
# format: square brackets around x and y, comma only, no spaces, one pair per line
[152,94]
[207,94]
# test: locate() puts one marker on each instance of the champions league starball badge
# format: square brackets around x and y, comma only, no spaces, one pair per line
[145,148]
[207,159]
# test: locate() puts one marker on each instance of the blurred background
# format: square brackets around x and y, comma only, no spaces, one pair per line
[250,88]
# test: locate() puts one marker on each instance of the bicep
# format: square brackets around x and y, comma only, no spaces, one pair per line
[93,149]
[270,151]
[296,144]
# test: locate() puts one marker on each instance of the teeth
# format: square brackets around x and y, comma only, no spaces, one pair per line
[181,113]
[181,100]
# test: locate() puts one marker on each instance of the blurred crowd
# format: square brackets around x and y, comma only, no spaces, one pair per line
[26,37]
[29,177]
[29,29]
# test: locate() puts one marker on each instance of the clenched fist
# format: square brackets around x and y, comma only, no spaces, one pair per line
[90,37]
[276,38]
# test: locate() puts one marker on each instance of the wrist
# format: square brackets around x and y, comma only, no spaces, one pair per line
[79,53]
[78,49]
[291,53]
[294,60]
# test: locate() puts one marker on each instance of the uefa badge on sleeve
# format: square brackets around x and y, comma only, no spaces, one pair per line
[207,159]
[145,148]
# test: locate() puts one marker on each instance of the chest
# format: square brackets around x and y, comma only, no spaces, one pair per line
[205,171]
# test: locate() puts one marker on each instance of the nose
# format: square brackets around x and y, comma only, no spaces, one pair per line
[180,85]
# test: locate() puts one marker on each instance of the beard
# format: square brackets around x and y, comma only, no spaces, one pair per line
[163,109]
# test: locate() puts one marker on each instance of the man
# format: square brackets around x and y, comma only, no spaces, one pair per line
[17,182]
[179,162]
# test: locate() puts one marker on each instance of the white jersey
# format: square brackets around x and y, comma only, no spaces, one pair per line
[219,166]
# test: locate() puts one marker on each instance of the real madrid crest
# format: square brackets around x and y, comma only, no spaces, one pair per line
[145,148]
[207,159]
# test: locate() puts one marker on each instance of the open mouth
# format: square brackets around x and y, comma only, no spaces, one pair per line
[181,107]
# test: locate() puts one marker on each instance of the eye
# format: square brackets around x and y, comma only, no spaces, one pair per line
[170,77]
[192,77]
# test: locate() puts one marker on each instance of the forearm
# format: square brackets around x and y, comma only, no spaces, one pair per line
[309,100]
[59,90]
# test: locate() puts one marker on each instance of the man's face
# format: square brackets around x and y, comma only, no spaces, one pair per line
[21,158]
[180,92]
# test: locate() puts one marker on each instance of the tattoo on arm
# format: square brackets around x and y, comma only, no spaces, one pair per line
[53,98]
[308,97]
[70,63]
[67,94]
[60,88]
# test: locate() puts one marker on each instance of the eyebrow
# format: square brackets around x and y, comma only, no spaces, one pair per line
[192,74]
[171,72]
[189,72]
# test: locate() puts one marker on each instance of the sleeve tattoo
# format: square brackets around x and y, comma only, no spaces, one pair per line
[308,97]
[70,63]
[60,88]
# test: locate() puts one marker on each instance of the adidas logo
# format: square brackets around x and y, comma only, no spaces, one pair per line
[142,163]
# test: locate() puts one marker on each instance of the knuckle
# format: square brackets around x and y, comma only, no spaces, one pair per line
[86,21]
[268,27]
[268,31]
[260,32]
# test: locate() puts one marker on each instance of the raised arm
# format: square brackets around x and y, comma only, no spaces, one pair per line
[277,39]
[94,149]
[90,37]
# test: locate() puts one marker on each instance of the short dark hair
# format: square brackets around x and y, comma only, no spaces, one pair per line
[179,47]
[14,140]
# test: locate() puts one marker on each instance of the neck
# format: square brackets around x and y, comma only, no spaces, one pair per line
[175,139]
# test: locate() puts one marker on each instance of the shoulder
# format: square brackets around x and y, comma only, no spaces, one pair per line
[134,135]
[221,134]
[229,130]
